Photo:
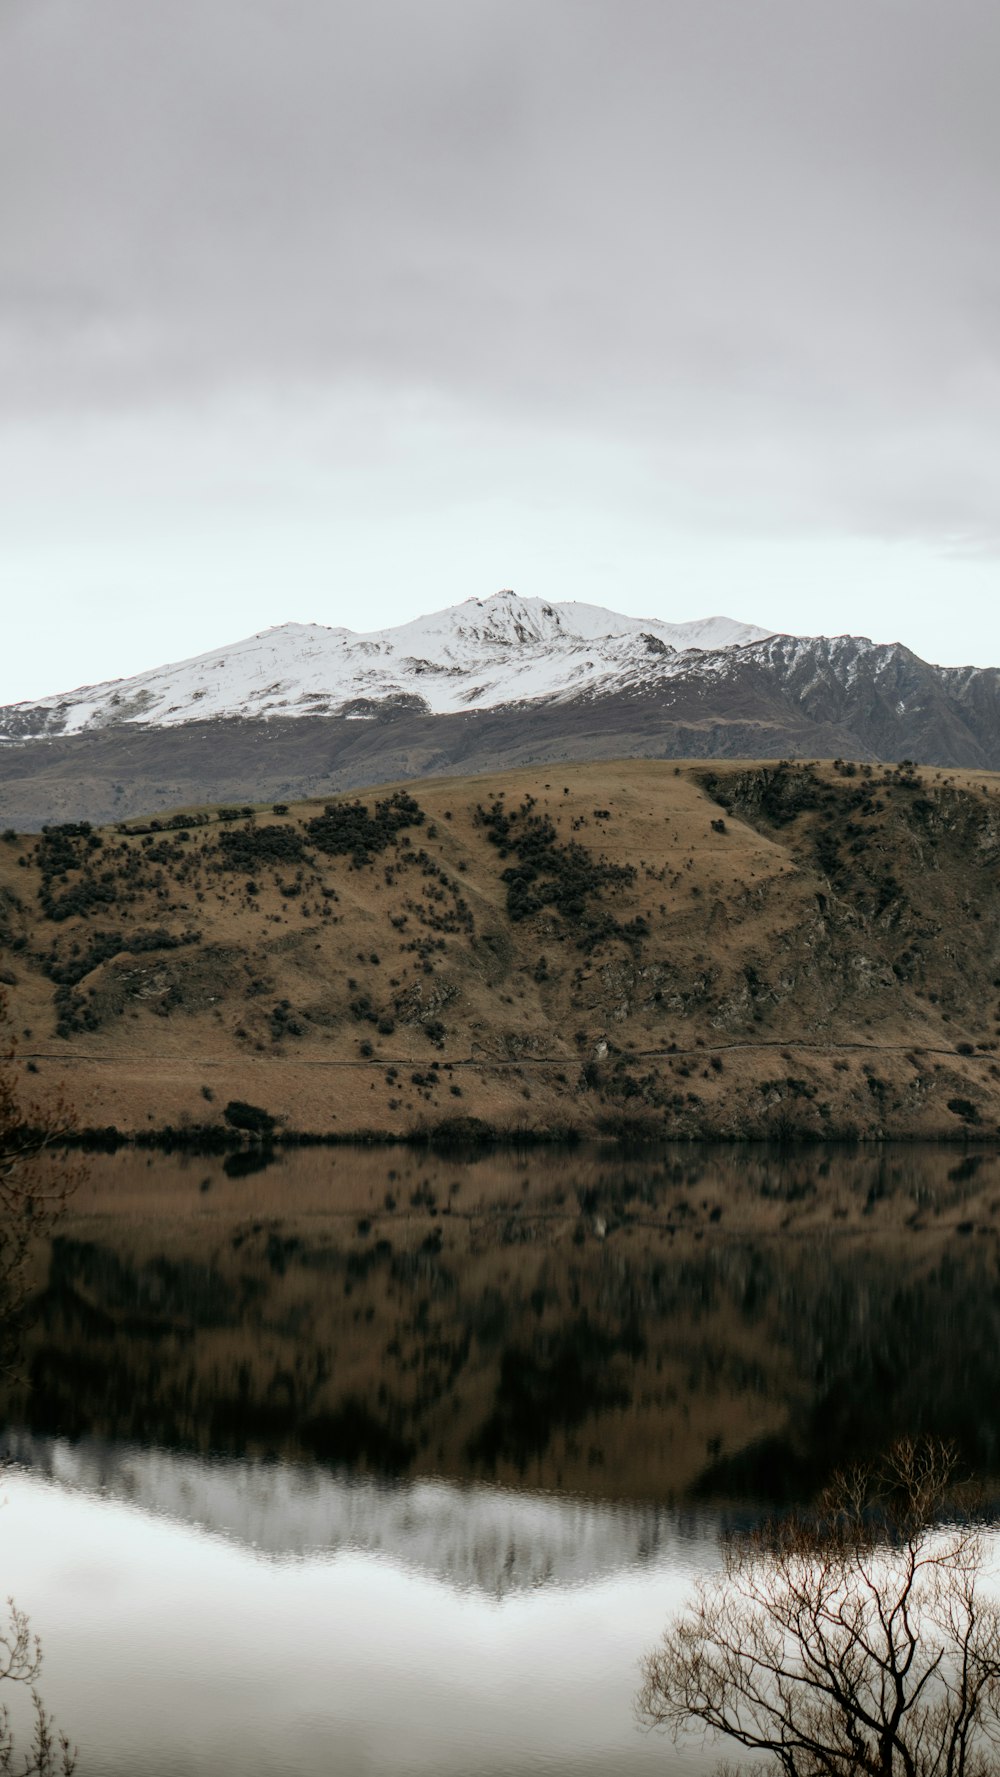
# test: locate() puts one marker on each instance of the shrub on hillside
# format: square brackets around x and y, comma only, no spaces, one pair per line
[250,1119]
[347,829]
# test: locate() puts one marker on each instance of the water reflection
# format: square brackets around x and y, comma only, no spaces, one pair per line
[388,1463]
[708,1325]
[488,1540]
[170,1651]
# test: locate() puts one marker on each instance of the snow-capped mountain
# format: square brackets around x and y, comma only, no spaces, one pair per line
[482,654]
[302,710]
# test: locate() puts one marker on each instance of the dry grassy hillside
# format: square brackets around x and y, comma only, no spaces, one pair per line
[720,949]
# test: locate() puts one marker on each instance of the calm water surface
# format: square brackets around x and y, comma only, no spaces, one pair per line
[373,1464]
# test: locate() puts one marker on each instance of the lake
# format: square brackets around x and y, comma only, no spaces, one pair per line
[379,1462]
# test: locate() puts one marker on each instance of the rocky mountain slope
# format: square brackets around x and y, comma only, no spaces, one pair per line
[301,710]
[637,949]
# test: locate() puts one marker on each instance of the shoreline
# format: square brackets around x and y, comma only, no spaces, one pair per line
[473,1134]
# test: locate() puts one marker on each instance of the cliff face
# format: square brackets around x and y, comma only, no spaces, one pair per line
[723,949]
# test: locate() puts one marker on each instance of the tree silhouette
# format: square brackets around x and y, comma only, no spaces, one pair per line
[852,1642]
[33,1190]
[49,1753]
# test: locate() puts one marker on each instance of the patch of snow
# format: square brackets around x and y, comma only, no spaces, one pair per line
[489,652]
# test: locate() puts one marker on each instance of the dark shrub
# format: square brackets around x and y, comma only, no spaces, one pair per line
[964,1108]
[249,1117]
[249,847]
[347,829]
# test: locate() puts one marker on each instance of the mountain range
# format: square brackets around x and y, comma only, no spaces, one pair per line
[303,708]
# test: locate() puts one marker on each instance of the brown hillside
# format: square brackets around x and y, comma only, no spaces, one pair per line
[728,949]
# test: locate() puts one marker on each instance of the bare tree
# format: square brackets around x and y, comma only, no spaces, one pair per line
[856,1640]
[49,1754]
[33,1191]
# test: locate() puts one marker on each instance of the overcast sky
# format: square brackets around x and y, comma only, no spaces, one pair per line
[344,310]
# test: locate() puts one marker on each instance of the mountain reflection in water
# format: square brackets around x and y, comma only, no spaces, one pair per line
[171,1650]
[387,1463]
[703,1324]
[488,1540]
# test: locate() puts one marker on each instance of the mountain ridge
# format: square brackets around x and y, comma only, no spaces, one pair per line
[480,687]
[483,653]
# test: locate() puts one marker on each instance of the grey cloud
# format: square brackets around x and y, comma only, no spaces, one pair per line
[755,237]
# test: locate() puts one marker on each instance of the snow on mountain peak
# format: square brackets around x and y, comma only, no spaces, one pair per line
[476,655]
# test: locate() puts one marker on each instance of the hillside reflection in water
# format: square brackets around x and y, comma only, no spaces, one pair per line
[703,1324]
[296,1392]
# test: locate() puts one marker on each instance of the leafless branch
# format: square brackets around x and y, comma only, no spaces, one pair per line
[851,1640]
